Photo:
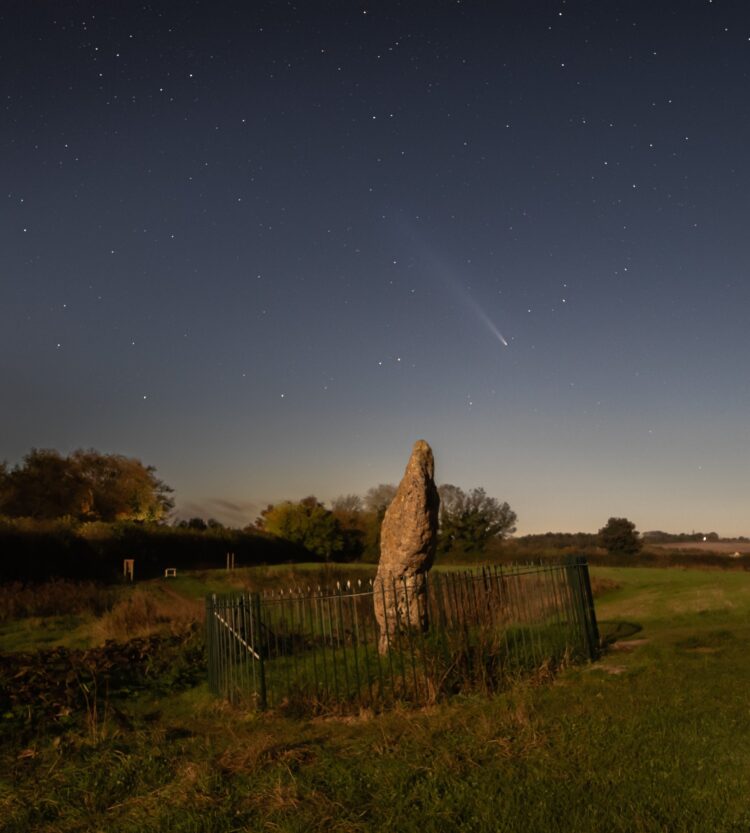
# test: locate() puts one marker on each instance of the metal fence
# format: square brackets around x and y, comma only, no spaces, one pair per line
[477,630]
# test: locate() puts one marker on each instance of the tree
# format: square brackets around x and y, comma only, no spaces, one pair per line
[121,488]
[307,523]
[452,499]
[376,502]
[379,498]
[347,503]
[5,485]
[469,520]
[86,485]
[196,523]
[352,520]
[45,486]
[347,509]
[619,537]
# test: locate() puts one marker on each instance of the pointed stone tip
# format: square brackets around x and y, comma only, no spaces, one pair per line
[422,456]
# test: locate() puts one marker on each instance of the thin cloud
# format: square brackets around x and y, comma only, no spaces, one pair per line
[229,512]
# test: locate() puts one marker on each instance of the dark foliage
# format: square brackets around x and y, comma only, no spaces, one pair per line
[55,598]
[619,537]
[57,689]
[33,551]
[560,540]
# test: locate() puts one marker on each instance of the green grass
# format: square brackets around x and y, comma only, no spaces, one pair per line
[35,632]
[668,600]
[654,737]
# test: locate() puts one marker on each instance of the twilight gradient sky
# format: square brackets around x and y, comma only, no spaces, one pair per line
[265,246]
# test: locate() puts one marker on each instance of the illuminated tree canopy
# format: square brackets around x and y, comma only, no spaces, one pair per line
[85,485]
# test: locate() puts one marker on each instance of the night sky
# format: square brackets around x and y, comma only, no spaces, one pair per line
[266,246]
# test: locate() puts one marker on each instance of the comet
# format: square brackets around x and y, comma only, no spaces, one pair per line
[440,268]
[487,321]
[478,311]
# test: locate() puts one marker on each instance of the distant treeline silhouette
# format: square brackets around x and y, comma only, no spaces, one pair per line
[34,551]
[39,550]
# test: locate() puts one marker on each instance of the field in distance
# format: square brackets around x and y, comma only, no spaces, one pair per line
[721,547]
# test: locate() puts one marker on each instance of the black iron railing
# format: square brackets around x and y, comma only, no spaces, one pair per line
[471,630]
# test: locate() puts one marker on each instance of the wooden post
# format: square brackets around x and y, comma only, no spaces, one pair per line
[128,568]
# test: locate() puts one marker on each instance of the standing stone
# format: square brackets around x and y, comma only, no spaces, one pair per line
[408,538]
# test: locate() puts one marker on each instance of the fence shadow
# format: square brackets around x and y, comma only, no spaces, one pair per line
[614,631]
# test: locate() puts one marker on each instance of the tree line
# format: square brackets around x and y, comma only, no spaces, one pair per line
[350,529]
[87,487]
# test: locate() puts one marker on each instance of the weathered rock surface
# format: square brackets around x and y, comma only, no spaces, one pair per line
[408,538]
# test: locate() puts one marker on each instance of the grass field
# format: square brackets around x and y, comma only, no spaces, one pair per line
[654,737]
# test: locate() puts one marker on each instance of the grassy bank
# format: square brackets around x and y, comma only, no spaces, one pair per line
[652,738]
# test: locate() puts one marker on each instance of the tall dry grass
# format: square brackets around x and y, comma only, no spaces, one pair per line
[143,613]
[57,597]
[601,585]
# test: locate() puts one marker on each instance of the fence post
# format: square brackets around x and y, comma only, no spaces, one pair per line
[577,570]
[210,647]
[256,618]
[588,597]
